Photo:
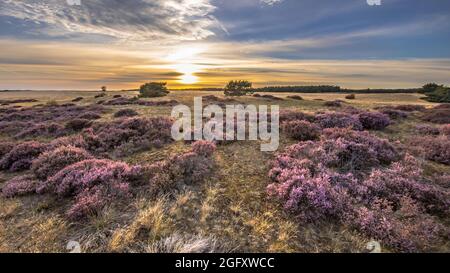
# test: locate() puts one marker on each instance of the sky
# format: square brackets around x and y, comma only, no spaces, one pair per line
[85,44]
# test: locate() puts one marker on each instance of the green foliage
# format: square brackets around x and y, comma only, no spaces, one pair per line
[430,87]
[153,90]
[238,88]
[436,93]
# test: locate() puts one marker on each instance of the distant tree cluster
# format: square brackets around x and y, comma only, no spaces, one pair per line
[300,89]
[436,93]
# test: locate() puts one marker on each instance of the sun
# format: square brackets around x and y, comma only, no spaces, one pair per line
[188,79]
[184,61]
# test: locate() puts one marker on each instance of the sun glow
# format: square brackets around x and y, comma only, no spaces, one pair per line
[184,60]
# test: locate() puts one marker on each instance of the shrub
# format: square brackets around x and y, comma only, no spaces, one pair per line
[117,96]
[49,163]
[101,95]
[424,129]
[19,186]
[335,103]
[351,97]
[440,94]
[338,120]
[301,130]
[389,206]
[74,141]
[204,148]
[410,108]
[374,120]
[382,149]
[289,115]
[402,179]
[89,116]
[127,136]
[393,113]
[238,88]
[439,115]
[270,97]
[93,183]
[185,169]
[445,130]
[153,90]
[295,97]
[78,99]
[433,148]
[47,130]
[6,147]
[125,113]
[78,124]
[21,156]
[257,95]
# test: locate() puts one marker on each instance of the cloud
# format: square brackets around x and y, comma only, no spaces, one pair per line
[271,2]
[81,66]
[136,20]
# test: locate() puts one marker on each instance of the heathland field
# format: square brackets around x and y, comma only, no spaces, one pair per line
[77,166]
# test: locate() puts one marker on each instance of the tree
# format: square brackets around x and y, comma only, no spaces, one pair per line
[238,88]
[441,95]
[430,87]
[103,88]
[153,90]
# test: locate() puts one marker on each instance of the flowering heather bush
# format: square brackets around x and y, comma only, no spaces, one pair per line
[410,108]
[288,115]
[204,148]
[93,183]
[77,124]
[47,130]
[382,149]
[6,147]
[374,120]
[405,179]
[137,101]
[434,148]
[125,113]
[301,130]
[50,113]
[11,128]
[424,129]
[439,114]
[378,206]
[393,113]
[49,163]
[89,116]
[74,141]
[445,130]
[338,120]
[21,156]
[127,136]
[19,186]
[185,169]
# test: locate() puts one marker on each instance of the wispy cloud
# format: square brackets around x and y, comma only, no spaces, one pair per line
[141,20]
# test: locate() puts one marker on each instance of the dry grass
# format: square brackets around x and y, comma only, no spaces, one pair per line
[229,212]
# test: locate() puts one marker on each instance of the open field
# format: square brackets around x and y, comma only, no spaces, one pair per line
[229,209]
